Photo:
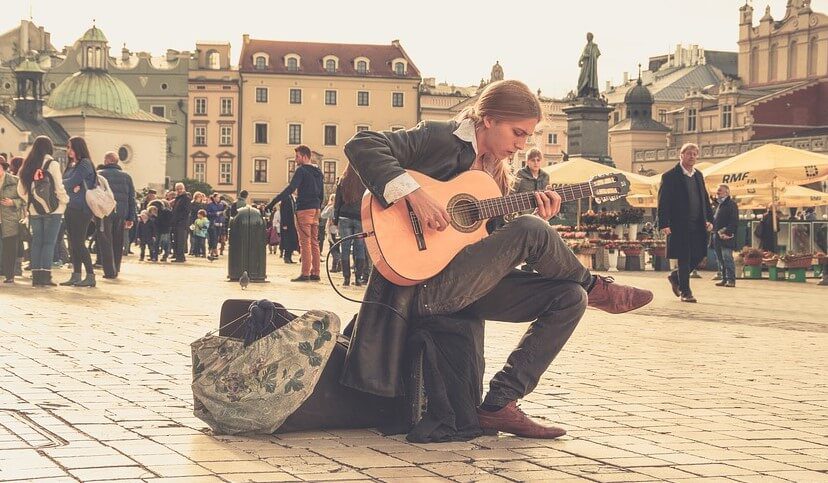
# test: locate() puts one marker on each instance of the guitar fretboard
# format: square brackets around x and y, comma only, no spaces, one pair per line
[516,202]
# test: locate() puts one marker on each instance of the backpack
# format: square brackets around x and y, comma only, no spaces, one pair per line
[43,194]
[100,199]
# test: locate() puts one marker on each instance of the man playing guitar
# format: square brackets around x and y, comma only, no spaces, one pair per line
[480,280]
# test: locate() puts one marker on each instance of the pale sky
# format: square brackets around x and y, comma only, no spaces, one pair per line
[536,41]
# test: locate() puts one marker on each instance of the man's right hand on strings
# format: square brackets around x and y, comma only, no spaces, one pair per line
[430,213]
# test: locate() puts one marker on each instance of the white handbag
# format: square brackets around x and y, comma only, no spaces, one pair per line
[100,199]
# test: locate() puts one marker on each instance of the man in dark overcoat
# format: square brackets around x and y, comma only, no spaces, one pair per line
[685,216]
[725,222]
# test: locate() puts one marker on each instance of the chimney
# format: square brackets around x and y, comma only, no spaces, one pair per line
[245,39]
[125,54]
[395,42]
[626,77]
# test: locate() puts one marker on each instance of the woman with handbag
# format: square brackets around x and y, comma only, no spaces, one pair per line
[41,188]
[10,204]
[79,177]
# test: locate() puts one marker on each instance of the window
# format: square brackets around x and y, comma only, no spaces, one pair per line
[813,56]
[362,67]
[125,153]
[201,106]
[226,135]
[329,173]
[260,62]
[362,98]
[362,128]
[399,68]
[552,138]
[691,120]
[160,111]
[198,171]
[225,172]
[616,116]
[754,65]
[330,98]
[662,116]
[727,116]
[214,60]
[397,99]
[793,59]
[330,65]
[260,171]
[200,136]
[226,106]
[261,94]
[293,64]
[330,135]
[294,134]
[260,133]
[291,168]
[296,96]
[773,62]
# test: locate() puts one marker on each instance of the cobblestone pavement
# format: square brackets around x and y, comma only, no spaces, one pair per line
[94,385]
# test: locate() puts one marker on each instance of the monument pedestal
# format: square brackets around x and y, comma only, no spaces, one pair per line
[587,129]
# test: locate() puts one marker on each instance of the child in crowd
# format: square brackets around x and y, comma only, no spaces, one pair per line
[200,226]
[147,235]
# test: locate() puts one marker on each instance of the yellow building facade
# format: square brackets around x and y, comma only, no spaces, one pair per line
[319,95]
[214,131]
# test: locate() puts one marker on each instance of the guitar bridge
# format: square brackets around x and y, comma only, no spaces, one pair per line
[415,225]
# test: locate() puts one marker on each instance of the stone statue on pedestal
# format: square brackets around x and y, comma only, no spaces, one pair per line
[588,80]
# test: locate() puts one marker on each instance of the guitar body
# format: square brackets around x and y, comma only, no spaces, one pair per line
[405,258]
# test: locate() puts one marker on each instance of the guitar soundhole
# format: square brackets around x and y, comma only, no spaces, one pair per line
[464,213]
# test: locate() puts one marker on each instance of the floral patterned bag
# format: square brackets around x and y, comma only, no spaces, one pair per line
[253,389]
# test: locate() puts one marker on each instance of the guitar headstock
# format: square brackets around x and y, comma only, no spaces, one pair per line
[609,187]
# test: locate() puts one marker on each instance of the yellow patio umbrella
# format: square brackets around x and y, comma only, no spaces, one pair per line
[790,196]
[704,165]
[578,170]
[767,164]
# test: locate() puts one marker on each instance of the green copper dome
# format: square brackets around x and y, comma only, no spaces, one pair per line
[93,89]
[29,65]
[94,35]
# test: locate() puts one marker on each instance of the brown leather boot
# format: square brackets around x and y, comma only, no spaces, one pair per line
[616,298]
[510,419]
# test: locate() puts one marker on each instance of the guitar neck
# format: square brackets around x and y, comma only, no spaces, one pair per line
[517,202]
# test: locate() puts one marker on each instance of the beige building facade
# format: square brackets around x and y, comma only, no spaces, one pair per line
[319,95]
[214,131]
[443,102]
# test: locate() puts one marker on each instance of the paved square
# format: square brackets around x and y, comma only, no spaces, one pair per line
[94,385]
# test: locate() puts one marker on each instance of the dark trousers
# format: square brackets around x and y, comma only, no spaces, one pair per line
[9,256]
[697,250]
[110,236]
[481,280]
[77,223]
[181,235]
[153,249]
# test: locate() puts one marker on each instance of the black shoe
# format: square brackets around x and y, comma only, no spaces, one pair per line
[301,278]
[9,280]
[315,278]
[730,283]
[721,284]
[674,283]
[688,297]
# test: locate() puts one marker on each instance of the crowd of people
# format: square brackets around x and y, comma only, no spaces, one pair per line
[46,220]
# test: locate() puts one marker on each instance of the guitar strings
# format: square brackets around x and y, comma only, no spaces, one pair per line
[494,203]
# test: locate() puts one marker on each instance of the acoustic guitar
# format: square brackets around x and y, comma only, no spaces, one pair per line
[406,253]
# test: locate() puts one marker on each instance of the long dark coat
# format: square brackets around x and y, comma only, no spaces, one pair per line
[674,213]
[727,217]
[290,238]
[374,362]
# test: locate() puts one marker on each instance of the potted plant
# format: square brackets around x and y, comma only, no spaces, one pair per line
[632,217]
[752,256]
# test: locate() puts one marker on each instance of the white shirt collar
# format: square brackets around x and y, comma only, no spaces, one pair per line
[466,132]
[690,173]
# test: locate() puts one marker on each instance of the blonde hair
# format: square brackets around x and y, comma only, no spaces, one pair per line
[506,100]
[687,146]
